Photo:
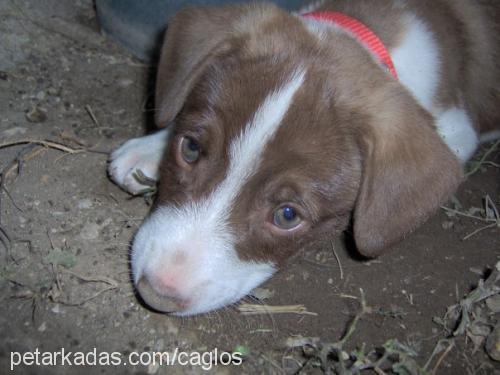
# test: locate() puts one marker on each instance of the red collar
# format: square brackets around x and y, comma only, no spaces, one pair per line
[362,33]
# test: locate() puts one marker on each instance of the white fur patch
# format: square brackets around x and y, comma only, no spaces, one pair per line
[457,131]
[319,28]
[142,153]
[417,62]
[310,7]
[210,274]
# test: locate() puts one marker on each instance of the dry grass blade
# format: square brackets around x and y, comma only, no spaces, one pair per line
[5,240]
[141,178]
[252,309]
[112,284]
[85,300]
[88,108]
[49,144]
[479,230]
[486,288]
[92,279]
[464,214]
[489,215]
[491,210]
[442,357]
[4,235]
[21,160]
[483,159]
[338,261]
[53,145]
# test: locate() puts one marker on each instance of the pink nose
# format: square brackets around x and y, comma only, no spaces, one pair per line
[158,301]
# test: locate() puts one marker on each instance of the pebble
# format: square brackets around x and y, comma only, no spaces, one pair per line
[84,204]
[493,344]
[40,95]
[493,303]
[52,91]
[43,327]
[36,115]
[57,309]
[90,231]
[125,82]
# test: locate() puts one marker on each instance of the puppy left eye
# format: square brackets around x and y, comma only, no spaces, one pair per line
[286,217]
[190,150]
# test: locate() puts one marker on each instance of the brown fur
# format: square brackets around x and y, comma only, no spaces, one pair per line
[354,140]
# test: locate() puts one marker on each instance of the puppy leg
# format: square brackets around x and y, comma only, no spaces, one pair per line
[457,131]
[144,153]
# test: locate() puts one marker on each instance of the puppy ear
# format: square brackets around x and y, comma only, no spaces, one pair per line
[194,35]
[408,171]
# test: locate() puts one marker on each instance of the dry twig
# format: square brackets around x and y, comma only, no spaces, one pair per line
[338,261]
[49,144]
[252,309]
[483,159]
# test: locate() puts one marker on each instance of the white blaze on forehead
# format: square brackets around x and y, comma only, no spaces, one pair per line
[246,150]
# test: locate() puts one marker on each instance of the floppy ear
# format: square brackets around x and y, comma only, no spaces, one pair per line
[408,171]
[194,35]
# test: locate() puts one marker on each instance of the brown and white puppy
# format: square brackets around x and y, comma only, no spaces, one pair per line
[281,129]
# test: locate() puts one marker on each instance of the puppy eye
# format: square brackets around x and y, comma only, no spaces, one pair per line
[286,217]
[190,150]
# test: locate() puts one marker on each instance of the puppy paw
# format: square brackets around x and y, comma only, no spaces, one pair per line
[136,156]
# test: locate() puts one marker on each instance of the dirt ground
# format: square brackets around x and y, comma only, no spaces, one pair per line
[64,275]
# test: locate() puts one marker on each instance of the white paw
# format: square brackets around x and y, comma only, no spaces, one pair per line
[142,154]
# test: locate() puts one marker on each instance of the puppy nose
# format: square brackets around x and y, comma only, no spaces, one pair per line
[157,301]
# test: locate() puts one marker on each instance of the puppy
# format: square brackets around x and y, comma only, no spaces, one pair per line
[281,128]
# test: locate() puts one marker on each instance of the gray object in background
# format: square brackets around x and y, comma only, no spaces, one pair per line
[139,25]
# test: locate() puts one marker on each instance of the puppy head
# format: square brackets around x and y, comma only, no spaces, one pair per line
[276,143]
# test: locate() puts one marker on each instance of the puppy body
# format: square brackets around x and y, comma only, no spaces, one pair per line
[287,114]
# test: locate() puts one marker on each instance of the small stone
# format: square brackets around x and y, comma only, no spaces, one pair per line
[40,95]
[43,327]
[57,309]
[90,231]
[493,303]
[493,344]
[125,82]
[84,204]
[52,91]
[344,355]
[242,350]
[36,115]
[262,293]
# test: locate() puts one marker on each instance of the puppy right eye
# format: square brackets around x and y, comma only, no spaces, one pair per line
[286,218]
[190,150]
